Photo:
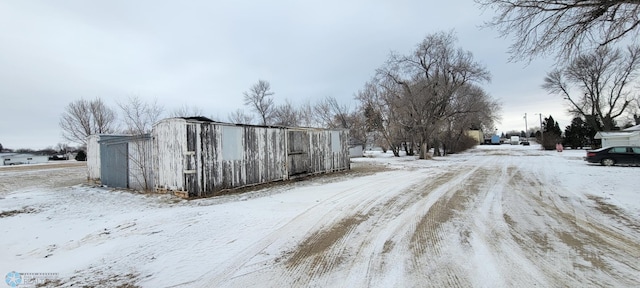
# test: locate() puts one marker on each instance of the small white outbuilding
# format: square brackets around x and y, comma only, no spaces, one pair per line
[619,138]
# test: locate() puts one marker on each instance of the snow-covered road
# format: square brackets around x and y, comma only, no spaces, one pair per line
[496,216]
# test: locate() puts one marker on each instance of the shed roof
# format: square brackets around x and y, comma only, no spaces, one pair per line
[113,139]
[198,118]
[632,128]
[616,134]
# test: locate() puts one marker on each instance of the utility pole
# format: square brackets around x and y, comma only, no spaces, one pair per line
[526,136]
[541,130]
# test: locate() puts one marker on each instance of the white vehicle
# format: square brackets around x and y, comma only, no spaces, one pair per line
[18,159]
[515,140]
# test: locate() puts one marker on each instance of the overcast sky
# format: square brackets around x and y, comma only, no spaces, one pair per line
[207,53]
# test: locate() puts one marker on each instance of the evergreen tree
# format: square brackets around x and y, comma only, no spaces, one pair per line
[575,135]
[592,126]
[551,133]
[81,156]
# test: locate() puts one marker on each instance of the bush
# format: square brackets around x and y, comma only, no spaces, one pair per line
[81,156]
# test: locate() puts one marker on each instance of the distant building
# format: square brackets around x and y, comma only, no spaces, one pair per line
[355,148]
[619,138]
[625,137]
[477,135]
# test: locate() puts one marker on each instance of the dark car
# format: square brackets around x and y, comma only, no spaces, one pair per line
[607,156]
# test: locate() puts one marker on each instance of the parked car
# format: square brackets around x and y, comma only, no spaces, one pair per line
[608,156]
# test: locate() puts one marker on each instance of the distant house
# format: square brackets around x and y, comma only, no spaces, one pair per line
[477,135]
[355,148]
[626,137]
[18,158]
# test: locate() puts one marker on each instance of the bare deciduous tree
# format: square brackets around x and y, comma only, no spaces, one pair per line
[240,117]
[63,148]
[186,111]
[563,26]
[475,110]
[383,120]
[423,87]
[307,118]
[332,114]
[603,80]
[260,99]
[286,115]
[83,118]
[139,116]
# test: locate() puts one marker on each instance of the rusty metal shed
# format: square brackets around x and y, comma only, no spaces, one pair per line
[200,157]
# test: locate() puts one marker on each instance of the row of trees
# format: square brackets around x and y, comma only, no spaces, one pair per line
[327,112]
[60,148]
[427,99]
[577,135]
[430,97]
[136,116]
[83,117]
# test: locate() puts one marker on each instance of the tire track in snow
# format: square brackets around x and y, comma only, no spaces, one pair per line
[493,256]
[568,239]
[386,235]
[348,245]
[374,238]
[439,229]
[322,215]
[353,243]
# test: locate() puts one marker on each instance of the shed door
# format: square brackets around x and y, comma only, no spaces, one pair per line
[298,152]
[191,164]
[114,165]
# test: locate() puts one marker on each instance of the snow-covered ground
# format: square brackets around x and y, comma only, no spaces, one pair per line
[495,216]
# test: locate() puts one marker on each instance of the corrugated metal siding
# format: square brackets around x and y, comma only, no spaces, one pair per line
[126,161]
[114,165]
[93,158]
